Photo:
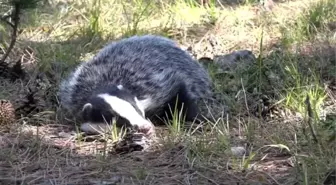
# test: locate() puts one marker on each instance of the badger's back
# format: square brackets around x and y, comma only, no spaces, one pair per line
[151,67]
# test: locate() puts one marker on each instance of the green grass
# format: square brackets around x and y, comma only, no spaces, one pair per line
[312,23]
[293,62]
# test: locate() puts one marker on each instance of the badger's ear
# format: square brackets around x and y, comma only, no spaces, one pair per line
[87,108]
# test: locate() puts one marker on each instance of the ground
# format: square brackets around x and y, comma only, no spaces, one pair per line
[279,122]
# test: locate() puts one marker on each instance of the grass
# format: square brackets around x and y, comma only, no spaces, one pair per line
[269,115]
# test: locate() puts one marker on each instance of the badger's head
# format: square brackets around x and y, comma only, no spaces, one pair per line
[114,104]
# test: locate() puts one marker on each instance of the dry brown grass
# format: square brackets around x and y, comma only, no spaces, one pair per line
[28,157]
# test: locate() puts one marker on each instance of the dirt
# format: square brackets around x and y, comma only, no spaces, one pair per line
[50,154]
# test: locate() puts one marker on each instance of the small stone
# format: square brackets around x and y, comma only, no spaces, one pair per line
[112,181]
[65,135]
[238,151]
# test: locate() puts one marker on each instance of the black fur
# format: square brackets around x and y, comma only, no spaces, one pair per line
[181,102]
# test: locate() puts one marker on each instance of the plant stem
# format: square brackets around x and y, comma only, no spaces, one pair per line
[16,19]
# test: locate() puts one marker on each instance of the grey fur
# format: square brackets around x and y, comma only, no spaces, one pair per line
[148,66]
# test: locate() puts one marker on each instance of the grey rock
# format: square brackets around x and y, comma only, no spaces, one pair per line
[238,151]
[230,61]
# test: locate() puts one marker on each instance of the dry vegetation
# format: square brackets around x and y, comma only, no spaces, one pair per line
[274,103]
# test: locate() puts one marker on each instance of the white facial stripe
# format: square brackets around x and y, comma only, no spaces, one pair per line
[120,87]
[124,109]
[143,104]
[140,106]
[95,128]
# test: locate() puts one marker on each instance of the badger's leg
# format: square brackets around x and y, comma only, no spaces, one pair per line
[187,105]
[183,102]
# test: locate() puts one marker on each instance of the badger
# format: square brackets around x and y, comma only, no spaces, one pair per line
[136,81]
